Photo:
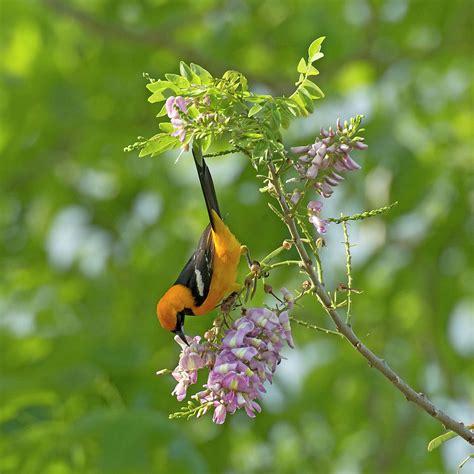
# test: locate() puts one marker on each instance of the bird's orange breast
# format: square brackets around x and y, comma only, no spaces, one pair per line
[227,252]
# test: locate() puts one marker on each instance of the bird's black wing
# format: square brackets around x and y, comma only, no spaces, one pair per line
[197,273]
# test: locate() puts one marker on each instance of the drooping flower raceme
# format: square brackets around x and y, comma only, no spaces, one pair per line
[321,163]
[239,366]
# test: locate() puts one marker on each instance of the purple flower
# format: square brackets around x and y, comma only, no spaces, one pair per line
[320,162]
[331,181]
[324,189]
[295,197]
[285,322]
[239,367]
[315,206]
[299,150]
[220,413]
[193,357]
[175,108]
[314,209]
[350,164]
[174,104]
[336,177]
[288,297]
[312,172]
[320,224]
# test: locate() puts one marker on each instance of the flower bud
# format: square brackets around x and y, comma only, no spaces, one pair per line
[312,172]
[315,206]
[344,148]
[331,181]
[299,150]
[351,165]
[295,197]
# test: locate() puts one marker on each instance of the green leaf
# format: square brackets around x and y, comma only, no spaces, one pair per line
[180,81]
[312,71]
[159,144]
[302,66]
[313,89]
[162,112]
[315,48]
[166,127]
[158,96]
[204,74]
[285,120]
[255,109]
[307,99]
[236,79]
[193,111]
[317,56]
[293,107]
[287,112]
[297,98]
[300,79]
[260,149]
[276,116]
[188,73]
[159,85]
[204,142]
[439,440]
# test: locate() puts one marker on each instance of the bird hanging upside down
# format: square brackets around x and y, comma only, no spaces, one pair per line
[210,273]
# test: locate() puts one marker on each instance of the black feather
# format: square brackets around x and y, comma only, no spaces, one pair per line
[207,184]
[202,261]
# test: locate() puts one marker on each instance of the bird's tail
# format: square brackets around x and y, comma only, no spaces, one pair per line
[207,185]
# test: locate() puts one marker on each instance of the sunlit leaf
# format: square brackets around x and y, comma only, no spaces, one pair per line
[301,66]
[178,80]
[204,75]
[159,144]
[315,48]
[255,109]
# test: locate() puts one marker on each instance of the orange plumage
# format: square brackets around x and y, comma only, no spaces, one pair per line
[210,274]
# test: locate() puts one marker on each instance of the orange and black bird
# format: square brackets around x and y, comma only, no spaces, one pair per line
[210,273]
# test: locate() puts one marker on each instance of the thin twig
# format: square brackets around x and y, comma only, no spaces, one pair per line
[221,153]
[348,270]
[363,215]
[374,361]
[316,328]
[273,254]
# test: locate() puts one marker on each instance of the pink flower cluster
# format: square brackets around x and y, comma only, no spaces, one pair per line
[176,107]
[246,358]
[321,162]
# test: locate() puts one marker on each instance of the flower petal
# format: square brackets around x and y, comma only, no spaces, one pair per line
[220,413]
[245,353]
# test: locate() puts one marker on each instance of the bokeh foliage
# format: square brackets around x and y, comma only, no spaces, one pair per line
[91,237]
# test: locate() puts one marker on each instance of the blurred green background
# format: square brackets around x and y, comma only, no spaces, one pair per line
[92,237]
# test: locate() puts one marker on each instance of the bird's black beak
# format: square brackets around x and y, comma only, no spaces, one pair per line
[181,335]
[179,327]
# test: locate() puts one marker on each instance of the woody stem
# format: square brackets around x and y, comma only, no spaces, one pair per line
[346,330]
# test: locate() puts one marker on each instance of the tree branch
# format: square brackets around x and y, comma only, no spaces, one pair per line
[346,330]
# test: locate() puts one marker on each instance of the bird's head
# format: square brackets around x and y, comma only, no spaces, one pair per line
[172,309]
